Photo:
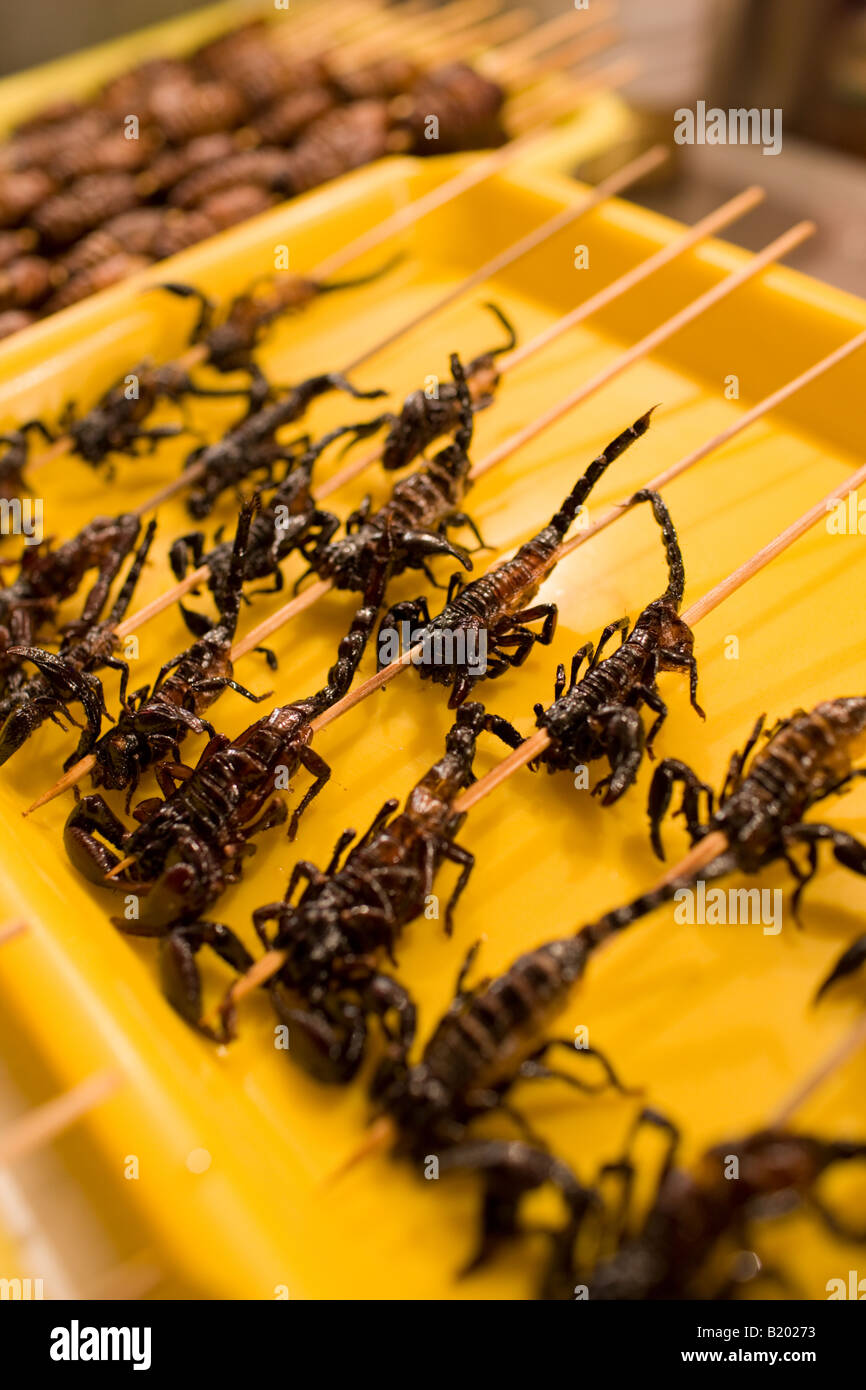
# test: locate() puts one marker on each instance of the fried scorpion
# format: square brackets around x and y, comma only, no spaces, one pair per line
[471,637]
[599,715]
[191,847]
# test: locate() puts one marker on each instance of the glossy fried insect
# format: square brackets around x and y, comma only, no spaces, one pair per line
[251,450]
[482,630]
[685,1244]
[467,106]
[807,758]
[415,518]
[116,423]
[67,675]
[153,721]
[330,984]
[493,1036]
[47,576]
[16,456]
[191,847]
[425,418]
[290,521]
[231,339]
[599,715]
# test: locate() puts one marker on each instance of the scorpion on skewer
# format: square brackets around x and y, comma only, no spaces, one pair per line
[191,847]
[48,576]
[415,517]
[68,675]
[678,1249]
[290,521]
[252,448]
[484,625]
[599,715]
[424,418]
[329,985]
[153,721]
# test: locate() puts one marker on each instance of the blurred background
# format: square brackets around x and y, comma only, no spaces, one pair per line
[806,56]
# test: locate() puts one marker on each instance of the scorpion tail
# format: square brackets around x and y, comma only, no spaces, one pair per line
[511,340]
[676,571]
[562,519]
[358,280]
[354,644]
[124,598]
[596,933]
[230,601]
[850,961]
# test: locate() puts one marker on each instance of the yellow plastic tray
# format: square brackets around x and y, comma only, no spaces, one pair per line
[715,1022]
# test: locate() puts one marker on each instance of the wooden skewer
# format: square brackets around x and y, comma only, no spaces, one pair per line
[43,1124]
[851,1043]
[735,207]
[715,844]
[553,33]
[9,931]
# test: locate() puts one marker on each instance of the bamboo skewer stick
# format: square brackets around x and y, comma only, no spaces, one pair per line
[854,1039]
[43,1124]
[715,844]
[10,930]
[707,226]
[553,33]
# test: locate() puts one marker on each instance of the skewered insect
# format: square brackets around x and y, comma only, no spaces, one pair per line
[48,576]
[416,516]
[251,449]
[231,339]
[807,758]
[599,715]
[482,629]
[16,455]
[330,984]
[685,1245]
[153,721]
[426,417]
[68,675]
[290,521]
[191,847]
[115,424]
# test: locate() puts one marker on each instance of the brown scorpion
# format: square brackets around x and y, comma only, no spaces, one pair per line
[482,629]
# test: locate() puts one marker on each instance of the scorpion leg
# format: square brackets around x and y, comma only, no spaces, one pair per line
[216,683]
[661,789]
[457,855]
[847,850]
[206,306]
[848,962]
[328,1043]
[687,662]
[464,519]
[653,700]
[319,769]
[383,995]
[181,981]
[621,732]
[381,816]
[620,626]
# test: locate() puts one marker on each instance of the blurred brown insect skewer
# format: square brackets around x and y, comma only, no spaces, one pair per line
[41,1125]
[10,930]
[382,678]
[713,222]
[482,168]
[713,844]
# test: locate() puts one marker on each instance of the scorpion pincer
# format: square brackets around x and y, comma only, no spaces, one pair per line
[350,913]
[482,630]
[153,721]
[686,1243]
[68,675]
[190,847]
[599,715]
[420,509]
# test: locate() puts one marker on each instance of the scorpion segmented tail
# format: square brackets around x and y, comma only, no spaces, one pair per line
[124,597]
[358,281]
[562,519]
[233,592]
[511,340]
[596,933]
[673,594]
[354,644]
